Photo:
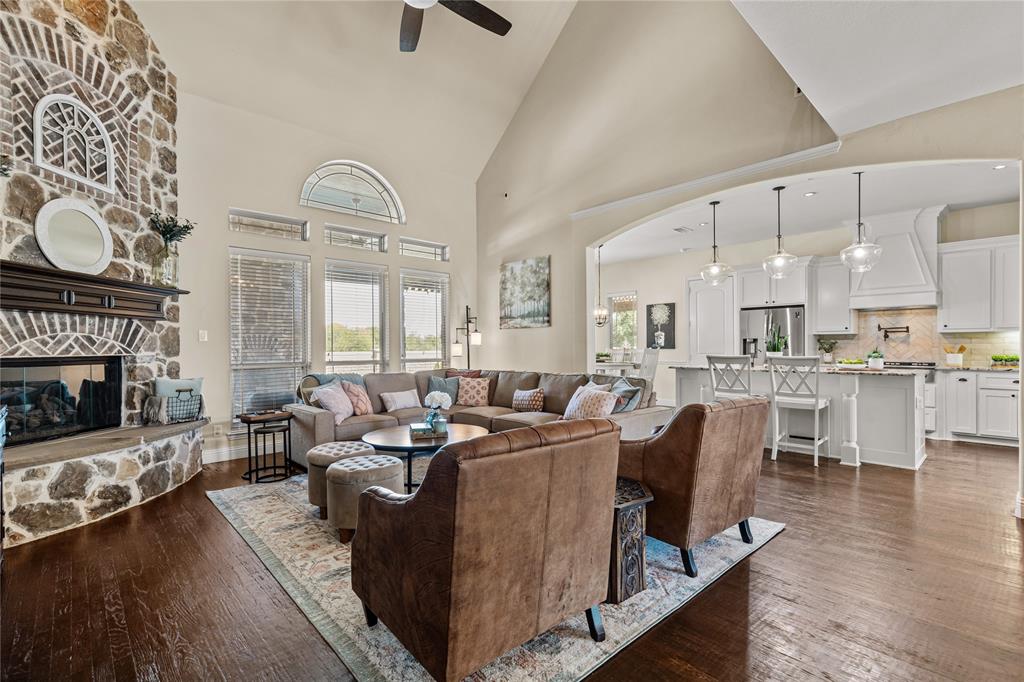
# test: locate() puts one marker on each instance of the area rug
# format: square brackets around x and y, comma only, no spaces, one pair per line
[304,555]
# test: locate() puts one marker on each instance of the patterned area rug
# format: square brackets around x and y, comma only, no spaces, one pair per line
[305,556]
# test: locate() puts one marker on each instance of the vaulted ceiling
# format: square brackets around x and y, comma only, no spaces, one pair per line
[335,67]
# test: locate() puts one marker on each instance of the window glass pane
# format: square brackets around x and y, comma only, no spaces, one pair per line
[424,320]
[352,238]
[422,249]
[623,320]
[269,328]
[268,225]
[355,297]
[354,188]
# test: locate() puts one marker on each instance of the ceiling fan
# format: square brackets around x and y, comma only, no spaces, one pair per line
[412,19]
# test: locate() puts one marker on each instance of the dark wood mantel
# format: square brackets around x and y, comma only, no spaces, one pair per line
[30,287]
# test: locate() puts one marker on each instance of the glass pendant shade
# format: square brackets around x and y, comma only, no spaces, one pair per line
[780,264]
[600,314]
[456,350]
[715,272]
[862,255]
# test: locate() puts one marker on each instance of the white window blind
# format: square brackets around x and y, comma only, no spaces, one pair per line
[419,248]
[268,225]
[352,238]
[424,320]
[623,323]
[355,297]
[269,323]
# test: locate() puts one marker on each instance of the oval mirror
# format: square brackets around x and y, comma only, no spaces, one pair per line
[73,236]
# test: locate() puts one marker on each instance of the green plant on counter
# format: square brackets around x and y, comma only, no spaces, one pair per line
[777,341]
[851,361]
[875,353]
[1005,359]
[827,345]
[603,356]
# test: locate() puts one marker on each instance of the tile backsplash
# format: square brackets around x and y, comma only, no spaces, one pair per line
[924,343]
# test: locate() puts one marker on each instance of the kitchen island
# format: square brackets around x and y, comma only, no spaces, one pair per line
[876,416]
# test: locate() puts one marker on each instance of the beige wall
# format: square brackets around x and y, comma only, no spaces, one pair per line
[997,220]
[633,97]
[231,158]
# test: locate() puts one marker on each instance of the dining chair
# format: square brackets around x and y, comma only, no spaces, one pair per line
[646,361]
[618,354]
[730,375]
[795,386]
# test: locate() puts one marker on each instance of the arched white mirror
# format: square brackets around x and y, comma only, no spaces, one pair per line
[73,236]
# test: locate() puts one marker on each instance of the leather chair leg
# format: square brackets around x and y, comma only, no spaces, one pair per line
[689,565]
[745,533]
[371,617]
[595,624]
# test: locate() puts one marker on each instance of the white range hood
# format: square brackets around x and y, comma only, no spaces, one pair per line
[905,276]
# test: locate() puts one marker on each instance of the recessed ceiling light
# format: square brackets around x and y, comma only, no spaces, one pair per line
[685,249]
[703,224]
[809,194]
[999,166]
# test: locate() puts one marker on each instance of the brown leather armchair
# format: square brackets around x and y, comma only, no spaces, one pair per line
[508,536]
[703,469]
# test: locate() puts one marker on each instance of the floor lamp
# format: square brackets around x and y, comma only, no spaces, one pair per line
[473,337]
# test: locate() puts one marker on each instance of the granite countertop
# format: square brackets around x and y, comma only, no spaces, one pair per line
[826,370]
[1001,370]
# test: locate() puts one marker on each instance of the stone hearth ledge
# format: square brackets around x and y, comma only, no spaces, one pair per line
[53,486]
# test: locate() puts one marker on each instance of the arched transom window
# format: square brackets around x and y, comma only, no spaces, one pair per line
[354,188]
[71,140]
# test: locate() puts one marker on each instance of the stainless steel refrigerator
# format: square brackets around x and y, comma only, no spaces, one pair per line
[755,324]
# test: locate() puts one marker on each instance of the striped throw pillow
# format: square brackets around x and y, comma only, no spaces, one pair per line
[528,400]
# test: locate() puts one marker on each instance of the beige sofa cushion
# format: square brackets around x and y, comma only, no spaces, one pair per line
[522,419]
[509,383]
[559,389]
[409,415]
[354,428]
[480,416]
[387,383]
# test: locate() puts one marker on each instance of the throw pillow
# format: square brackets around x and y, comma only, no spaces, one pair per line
[598,387]
[629,395]
[586,403]
[307,393]
[360,398]
[449,386]
[471,373]
[528,401]
[400,400]
[473,391]
[333,397]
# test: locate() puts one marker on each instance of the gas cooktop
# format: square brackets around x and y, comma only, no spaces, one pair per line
[909,365]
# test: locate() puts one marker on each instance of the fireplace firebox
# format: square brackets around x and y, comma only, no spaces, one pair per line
[57,397]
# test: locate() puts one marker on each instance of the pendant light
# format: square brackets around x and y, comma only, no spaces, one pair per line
[714,273]
[861,255]
[600,310]
[780,263]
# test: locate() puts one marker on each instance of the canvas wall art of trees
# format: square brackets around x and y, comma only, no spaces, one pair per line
[524,297]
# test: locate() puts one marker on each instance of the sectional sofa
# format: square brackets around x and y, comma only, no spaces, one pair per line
[312,426]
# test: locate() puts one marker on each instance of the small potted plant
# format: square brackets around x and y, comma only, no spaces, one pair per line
[998,360]
[172,231]
[776,342]
[852,363]
[436,401]
[1012,360]
[876,360]
[826,346]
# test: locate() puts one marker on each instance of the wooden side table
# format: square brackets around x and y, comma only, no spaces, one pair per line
[628,572]
[268,424]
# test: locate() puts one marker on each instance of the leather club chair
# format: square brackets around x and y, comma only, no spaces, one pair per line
[703,468]
[508,535]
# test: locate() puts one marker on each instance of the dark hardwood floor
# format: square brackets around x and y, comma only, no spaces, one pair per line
[880,574]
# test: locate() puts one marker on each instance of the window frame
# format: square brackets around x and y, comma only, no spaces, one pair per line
[301,223]
[381,237]
[443,250]
[382,271]
[443,333]
[337,167]
[611,319]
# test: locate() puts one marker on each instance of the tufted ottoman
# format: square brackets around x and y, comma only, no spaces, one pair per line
[323,456]
[348,478]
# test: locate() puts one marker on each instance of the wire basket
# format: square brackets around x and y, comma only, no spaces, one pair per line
[184,407]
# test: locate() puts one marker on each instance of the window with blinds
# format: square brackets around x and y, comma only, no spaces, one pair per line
[622,308]
[355,299]
[424,320]
[269,322]
[268,225]
[417,248]
[351,238]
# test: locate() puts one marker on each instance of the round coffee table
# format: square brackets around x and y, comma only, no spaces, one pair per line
[396,439]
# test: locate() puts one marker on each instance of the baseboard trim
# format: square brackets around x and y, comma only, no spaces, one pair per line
[226,453]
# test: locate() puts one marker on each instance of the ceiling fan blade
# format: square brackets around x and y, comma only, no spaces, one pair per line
[412,22]
[479,15]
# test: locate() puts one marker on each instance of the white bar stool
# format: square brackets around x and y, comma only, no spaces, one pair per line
[730,375]
[794,382]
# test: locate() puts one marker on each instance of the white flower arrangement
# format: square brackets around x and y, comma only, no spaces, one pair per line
[437,400]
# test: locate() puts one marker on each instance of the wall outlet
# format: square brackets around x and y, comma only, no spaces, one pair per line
[218,430]
[204,335]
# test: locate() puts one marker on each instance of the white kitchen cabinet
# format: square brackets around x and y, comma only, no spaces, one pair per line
[965,279]
[756,289]
[997,413]
[962,402]
[712,317]
[1006,287]
[753,288]
[830,282]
